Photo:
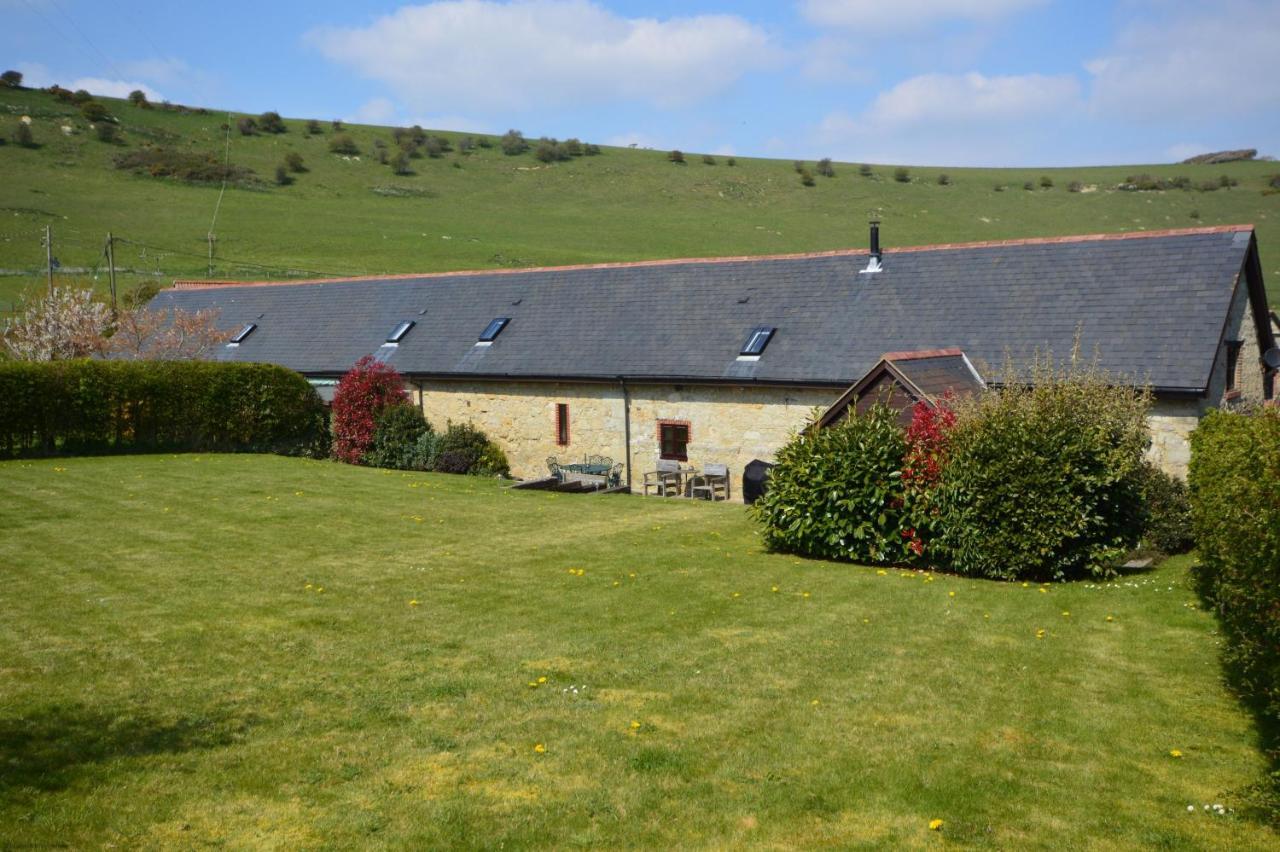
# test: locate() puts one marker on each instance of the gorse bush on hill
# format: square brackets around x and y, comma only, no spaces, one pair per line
[189,166]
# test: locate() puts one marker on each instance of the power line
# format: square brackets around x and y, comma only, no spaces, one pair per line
[231,262]
[83,37]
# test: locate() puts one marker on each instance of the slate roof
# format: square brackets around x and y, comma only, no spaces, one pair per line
[1154,306]
[900,379]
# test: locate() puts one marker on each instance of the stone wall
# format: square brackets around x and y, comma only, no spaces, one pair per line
[727,425]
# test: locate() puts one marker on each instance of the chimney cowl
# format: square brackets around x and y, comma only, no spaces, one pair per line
[873,262]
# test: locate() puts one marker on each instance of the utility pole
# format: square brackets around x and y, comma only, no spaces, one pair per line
[211,239]
[48,254]
[111,268]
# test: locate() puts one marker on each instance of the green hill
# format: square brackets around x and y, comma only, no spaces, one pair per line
[487,209]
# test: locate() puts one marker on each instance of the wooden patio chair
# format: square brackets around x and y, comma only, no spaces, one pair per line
[665,481]
[712,483]
[553,466]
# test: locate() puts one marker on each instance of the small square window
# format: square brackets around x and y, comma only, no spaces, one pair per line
[562,424]
[673,440]
[757,340]
[398,333]
[240,335]
[493,329]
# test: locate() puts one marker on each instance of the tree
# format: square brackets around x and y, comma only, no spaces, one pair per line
[573,147]
[81,96]
[66,323]
[11,79]
[368,389]
[708,159]
[806,177]
[294,161]
[400,165]
[436,146]
[902,175]
[676,156]
[336,124]
[143,334]
[825,168]
[513,142]
[271,122]
[944,179]
[94,111]
[246,125]
[139,99]
[864,170]
[732,161]
[314,128]
[343,144]
[1046,182]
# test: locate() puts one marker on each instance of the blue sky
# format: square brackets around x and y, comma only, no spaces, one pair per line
[925,82]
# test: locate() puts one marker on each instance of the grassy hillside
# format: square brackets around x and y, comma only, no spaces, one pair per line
[489,210]
[239,660]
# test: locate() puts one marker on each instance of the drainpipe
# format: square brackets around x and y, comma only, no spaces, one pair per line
[626,424]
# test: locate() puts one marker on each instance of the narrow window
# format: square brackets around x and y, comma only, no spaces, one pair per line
[240,335]
[400,331]
[1233,364]
[562,424]
[493,329]
[757,340]
[673,440]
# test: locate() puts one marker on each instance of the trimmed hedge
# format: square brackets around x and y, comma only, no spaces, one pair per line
[1235,505]
[83,406]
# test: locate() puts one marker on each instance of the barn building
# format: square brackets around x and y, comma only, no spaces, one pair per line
[720,360]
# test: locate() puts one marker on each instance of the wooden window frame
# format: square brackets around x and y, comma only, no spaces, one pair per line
[1233,366]
[562,424]
[688,439]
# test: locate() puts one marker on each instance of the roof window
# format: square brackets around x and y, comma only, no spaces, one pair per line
[398,333]
[757,340]
[493,329]
[240,335]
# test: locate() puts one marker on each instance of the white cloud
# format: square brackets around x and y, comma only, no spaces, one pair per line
[972,99]
[827,60]
[482,55]
[955,120]
[375,111]
[906,15]
[38,76]
[1204,60]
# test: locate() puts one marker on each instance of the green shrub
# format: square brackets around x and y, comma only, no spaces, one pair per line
[1166,511]
[82,406]
[1046,182]
[426,451]
[1043,481]
[314,128]
[107,132]
[294,161]
[492,462]
[462,447]
[513,143]
[395,437]
[1075,186]
[864,170]
[94,111]
[11,79]
[902,175]
[825,168]
[1235,504]
[806,178]
[676,156]
[190,166]
[271,122]
[944,179]
[837,493]
[343,144]
[139,99]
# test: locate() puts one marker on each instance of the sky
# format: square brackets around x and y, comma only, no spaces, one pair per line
[920,82]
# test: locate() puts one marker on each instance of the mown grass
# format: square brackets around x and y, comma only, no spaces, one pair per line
[225,650]
[490,210]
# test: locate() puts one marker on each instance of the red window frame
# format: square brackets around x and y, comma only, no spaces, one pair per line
[562,424]
[669,451]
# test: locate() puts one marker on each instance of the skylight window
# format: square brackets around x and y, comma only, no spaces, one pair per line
[493,329]
[240,335]
[757,340]
[400,331]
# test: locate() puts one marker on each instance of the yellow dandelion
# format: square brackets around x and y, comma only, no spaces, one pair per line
[815,702]
[951,594]
[866,621]
[737,594]
[1175,753]
[413,602]
[632,575]
[617,582]
[773,588]
[1044,591]
[539,748]
[806,594]
[1066,614]
[635,726]
[1024,585]
[1110,618]
[542,679]
[533,684]
[882,572]
[935,825]
[320,588]
[986,615]
[309,586]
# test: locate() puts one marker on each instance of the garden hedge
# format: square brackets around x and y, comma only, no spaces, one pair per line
[91,406]
[1235,504]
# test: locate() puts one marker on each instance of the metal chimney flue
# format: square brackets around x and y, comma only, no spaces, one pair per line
[873,262]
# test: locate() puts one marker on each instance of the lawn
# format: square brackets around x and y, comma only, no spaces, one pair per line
[269,652]
[489,210]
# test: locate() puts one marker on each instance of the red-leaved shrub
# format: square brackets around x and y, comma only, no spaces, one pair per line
[363,393]
[928,441]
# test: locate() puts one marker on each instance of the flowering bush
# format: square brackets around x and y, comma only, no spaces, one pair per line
[928,448]
[363,393]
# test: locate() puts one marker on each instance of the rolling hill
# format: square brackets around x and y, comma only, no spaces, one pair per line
[481,209]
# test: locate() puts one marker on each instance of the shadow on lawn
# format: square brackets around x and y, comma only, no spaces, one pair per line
[49,748]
